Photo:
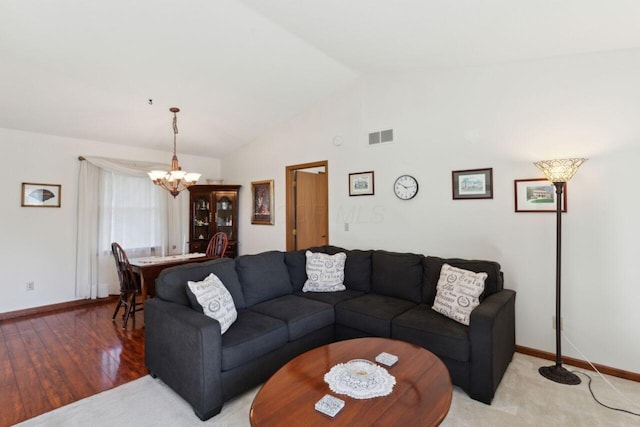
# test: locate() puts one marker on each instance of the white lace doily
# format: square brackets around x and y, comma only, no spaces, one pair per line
[360,379]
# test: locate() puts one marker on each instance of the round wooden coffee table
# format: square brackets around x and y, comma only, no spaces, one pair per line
[421,396]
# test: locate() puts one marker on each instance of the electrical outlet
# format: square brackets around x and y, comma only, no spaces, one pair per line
[346,226]
[553,318]
[31,286]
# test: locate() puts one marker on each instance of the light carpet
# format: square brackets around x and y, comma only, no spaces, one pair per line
[524,398]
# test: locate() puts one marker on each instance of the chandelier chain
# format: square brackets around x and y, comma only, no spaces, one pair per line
[175,131]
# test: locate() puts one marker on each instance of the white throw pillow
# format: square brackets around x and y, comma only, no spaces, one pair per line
[325,273]
[458,293]
[216,301]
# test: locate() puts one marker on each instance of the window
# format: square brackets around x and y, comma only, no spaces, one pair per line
[130,213]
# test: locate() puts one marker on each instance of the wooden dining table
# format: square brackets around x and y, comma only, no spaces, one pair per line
[149,268]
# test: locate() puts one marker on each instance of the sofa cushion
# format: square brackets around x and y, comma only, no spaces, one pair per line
[172,282]
[458,293]
[397,275]
[328,249]
[433,265]
[251,336]
[296,262]
[325,273]
[301,315]
[331,298]
[440,335]
[211,298]
[263,276]
[357,269]
[371,313]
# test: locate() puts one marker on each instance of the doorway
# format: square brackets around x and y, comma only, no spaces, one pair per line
[307,205]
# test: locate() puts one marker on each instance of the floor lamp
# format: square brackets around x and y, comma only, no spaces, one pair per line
[559,172]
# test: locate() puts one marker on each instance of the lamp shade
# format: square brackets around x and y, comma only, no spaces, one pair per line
[192,177]
[560,170]
[155,175]
[176,175]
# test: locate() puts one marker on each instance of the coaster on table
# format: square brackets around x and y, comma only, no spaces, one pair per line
[386,358]
[329,405]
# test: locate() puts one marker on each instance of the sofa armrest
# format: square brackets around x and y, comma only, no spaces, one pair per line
[492,339]
[183,348]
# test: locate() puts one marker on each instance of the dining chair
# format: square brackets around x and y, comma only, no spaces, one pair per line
[129,286]
[218,245]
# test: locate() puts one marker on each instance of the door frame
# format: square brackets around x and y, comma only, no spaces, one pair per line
[290,192]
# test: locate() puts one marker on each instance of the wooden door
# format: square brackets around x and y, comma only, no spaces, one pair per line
[311,213]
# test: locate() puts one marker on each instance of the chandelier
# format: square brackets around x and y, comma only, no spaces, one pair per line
[176,179]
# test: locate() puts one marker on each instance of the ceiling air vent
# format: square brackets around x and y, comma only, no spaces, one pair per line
[381,137]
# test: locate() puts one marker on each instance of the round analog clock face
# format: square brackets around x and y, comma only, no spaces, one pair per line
[405,187]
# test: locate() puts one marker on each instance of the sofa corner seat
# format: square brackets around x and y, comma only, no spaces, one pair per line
[371,313]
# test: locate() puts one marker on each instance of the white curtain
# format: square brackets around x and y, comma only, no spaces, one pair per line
[112,189]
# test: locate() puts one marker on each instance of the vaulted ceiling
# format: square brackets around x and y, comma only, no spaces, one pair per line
[109,71]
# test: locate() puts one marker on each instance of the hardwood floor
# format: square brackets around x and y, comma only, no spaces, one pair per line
[53,359]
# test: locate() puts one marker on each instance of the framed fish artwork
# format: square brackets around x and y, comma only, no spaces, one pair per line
[41,195]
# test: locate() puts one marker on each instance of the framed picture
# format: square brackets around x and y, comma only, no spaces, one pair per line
[262,193]
[361,184]
[41,195]
[472,184]
[537,195]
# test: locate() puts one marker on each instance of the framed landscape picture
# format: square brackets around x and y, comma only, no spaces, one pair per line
[537,195]
[41,195]
[472,184]
[262,194]
[361,184]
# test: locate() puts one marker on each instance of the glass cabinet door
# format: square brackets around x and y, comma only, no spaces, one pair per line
[201,218]
[226,213]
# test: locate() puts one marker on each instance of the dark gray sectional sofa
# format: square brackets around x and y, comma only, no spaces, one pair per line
[388,295]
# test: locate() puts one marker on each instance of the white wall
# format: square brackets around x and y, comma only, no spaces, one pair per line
[505,117]
[39,244]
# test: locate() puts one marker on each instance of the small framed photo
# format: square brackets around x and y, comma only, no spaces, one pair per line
[41,195]
[472,184]
[537,195]
[262,194]
[361,184]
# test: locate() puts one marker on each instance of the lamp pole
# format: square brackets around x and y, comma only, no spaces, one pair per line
[559,188]
[559,172]
[557,372]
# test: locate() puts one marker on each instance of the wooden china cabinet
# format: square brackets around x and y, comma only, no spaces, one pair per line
[213,208]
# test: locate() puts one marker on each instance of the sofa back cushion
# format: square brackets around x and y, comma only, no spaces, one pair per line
[296,262]
[357,270]
[433,265]
[172,282]
[397,275]
[263,276]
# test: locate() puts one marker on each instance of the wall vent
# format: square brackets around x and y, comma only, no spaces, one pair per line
[381,137]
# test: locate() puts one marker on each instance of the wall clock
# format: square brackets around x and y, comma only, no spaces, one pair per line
[405,187]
